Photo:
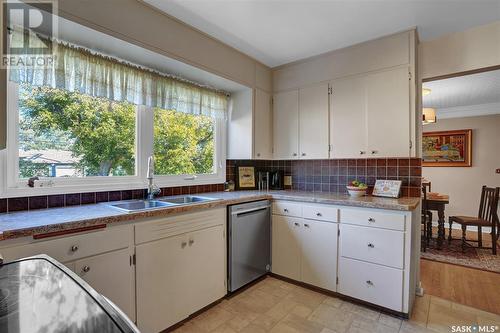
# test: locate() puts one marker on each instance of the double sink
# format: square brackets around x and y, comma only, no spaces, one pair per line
[141,205]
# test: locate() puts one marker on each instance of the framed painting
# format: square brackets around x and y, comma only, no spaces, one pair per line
[245,178]
[447,148]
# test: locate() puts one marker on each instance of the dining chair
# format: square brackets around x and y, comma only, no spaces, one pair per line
[424,221]
[486,217]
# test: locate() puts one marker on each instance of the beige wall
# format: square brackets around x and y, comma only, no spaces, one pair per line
[474,48]
[136,22]
[463,184]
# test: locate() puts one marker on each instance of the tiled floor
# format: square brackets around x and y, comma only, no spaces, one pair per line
[276,306]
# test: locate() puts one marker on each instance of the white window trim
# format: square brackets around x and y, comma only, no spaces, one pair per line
[12,186]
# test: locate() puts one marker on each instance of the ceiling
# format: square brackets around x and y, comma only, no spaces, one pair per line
[475,94]
[276,32]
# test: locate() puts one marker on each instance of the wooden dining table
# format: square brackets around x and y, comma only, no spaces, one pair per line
[438,204]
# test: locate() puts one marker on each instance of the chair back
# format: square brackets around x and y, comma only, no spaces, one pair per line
[488,206]
[424,199]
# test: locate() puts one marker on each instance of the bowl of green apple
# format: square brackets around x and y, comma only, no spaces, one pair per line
[356,189]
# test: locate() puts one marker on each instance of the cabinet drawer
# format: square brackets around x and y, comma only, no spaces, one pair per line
[287,208]
[373,218]
[372,283]
[379,246]
[74,247]
[320,212]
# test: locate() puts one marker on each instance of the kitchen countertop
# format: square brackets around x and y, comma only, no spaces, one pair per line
[36,222]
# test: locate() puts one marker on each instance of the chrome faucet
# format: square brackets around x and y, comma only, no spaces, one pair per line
[152,188]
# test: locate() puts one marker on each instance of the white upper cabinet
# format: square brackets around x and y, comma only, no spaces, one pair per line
[370,115]
[286,125]
[388,113]
[313,121]
[263,140]
[301,123]
[348,118]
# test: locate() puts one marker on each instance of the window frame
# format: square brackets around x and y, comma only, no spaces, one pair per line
[13,186]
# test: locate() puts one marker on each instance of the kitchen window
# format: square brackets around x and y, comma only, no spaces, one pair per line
[91,121]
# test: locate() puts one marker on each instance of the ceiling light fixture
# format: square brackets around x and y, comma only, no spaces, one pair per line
[428,116]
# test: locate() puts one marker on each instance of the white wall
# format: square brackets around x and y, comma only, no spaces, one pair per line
[463,184]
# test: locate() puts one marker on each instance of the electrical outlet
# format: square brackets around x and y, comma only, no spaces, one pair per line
[288,181]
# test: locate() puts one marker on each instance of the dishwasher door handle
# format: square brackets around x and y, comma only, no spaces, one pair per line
[251,210]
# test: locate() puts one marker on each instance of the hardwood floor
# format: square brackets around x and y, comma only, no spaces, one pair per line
[468,286]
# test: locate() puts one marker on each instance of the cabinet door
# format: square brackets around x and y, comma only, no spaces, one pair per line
[286,246]
[263,145]
[206,266]
[286,125]
[387,104]
[319,254]
[348,118]
[111,274]
[163,283]
[313,122]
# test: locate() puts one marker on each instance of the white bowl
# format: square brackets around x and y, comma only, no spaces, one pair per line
[356,192]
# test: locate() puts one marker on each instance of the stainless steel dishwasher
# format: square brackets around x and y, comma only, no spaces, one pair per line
[249,243]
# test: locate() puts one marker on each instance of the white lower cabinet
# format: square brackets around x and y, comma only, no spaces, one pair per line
[377,250]
[319,253]
[102,258]
[372,283]
[304,249]
[110,274]
[182,271]
[286,251]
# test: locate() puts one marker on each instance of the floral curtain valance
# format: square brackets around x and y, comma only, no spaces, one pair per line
[79,70]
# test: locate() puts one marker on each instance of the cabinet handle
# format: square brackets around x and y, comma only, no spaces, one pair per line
[285,210]
[369,282]
[297,224]
[371,245]
[362,152]
[74,248]
[191,242]
[374,152]
[319,214]
[294,154]
[183,244]
[85,269]
[371,219]
[258,154]
[303,154]
[306,225]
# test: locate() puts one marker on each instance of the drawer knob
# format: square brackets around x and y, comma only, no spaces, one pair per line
[371,219]
[183,244]
[371,245]
[74,248]
[319,214]
[191,241]
[86,269]
[374,152]
[294,154]
[370,283]
[306,225]
[297,224]
[285,210]
[303,154]
[362,152]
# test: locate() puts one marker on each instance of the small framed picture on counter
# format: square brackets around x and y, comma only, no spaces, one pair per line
[387,188]
[245,178]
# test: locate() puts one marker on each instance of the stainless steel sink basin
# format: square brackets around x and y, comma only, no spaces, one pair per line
[137,205]
[186,199]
